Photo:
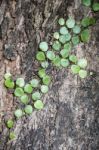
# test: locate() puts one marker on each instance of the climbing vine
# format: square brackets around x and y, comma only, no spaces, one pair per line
[61,55]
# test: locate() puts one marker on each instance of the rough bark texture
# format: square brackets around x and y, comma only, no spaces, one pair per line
[70,119]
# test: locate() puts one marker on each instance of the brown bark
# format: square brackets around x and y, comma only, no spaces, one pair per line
[69,120]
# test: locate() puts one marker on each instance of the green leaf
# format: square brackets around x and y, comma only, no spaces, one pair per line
[95,6]
[24,99]
[7,75]
[87,21]
[86,2]
[83,74]
[65,38]
[20,82]
[56,45]
[9,83]
[63,30]
[50,55]
[76,29]
[61,21]
[39,105]
[64,62]
[67,46]
[12,136]
[40,56]
[41,73]
[36,96]
[64,53]
[73,58]
[10,123]
[43,46]
[45,64]
[46,80]
[75,40]
[28,109]
[82,63]
[44,88]
[85,36]
[28,88]
[18,113]
[56,35]
[18,92]
[75,69]
[34,83]
[57,61]
[70,22]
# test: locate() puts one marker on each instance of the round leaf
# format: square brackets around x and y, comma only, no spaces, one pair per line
[56,35]
[83,74]
[28,88]
[56,45]
[57,61]
[34,83]
[41,73]
[82,63]
[76,29]
[44,88]
[45,64]
[24,99]
[50,55]
[36,96]
[67,46]
[40,56]
[20,82]
[39,105]
[10,123]
[18,113]
[85,36]
[95,6]
[73,58]
[46,80]
[75,69]
[7,75]
[12,135]
[28,109]
[64,53]
[9,83]
[63,30]
[70,22]
[61,21]
[64,62]
[43,46]
[19,92]
[75,40]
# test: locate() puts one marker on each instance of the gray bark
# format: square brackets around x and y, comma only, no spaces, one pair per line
[70,118]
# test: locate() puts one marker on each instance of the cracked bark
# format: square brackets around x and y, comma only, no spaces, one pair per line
[69,120]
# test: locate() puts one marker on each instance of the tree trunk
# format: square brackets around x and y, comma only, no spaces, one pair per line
[70,118]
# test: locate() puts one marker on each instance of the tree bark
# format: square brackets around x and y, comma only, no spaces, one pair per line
[70,118]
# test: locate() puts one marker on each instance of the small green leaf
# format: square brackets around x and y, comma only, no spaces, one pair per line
[75,40]
[45,64]
[82,63]
[18,92]
[18,113]
[73,58]
[46,80]
[43,46]
[95,6]
[7,75]
[12,136]
[64,53]
[36,96]
[56,45]
[28,109]
[56,35]
[85,36]
[67,46]
[9,83]
[61,21]
[34,83]
[39,105]
[75,69]
[10,123]
[63,30]
[87,21]
[83,74]
[65,38]
[28,88]
[57,61]
[40,56]
[50,55]
[76,29]
[70,22]
[24,99]
[41,73]
[20,82]
[44,88]
[86,2]
[64,62]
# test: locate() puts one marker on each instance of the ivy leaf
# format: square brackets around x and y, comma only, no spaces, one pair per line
[86,2]
[85,36]
[95,6]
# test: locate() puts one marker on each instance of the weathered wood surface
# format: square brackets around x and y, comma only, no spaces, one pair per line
[70,119]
